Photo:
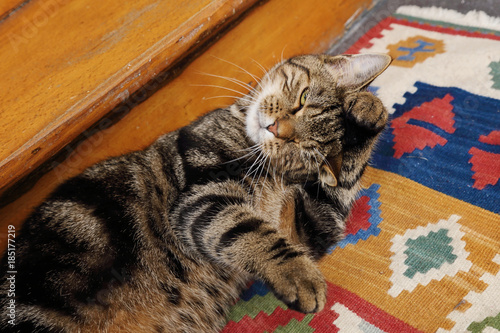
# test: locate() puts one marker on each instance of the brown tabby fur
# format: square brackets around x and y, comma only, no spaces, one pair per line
[165,239]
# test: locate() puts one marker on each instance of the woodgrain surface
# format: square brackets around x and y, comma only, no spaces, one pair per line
[65,64]
[275,29]
[7,6]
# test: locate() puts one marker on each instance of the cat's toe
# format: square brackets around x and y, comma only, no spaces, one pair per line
[367,111]
[301,286]
[311,295]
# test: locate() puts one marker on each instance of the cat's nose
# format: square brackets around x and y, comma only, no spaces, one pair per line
[283,129]
[273,128]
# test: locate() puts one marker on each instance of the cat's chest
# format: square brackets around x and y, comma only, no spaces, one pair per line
[277,204]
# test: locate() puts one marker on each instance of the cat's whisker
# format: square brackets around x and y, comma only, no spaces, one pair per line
[266,171]
[273,171]
[317,163]
[226,78]
[244,70]
[256,186]
[282,52]
[253,172]
[318,166]
[323,157]
[247,98]
[254,147]
[248,154]
[220,87]
[253,151]
[248,159]
[308,167]
[261,167]
[265,178]
[221,96]
[282,176]
[228,96]
[264,70]
[320,154]
[249,101]
[250,172]
[241,157]
[235,81]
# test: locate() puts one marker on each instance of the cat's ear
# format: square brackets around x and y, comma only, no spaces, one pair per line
[358,70]
[330,170]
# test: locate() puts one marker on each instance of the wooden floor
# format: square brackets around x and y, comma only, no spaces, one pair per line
[272,30]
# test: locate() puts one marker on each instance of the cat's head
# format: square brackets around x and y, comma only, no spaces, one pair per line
[296,111]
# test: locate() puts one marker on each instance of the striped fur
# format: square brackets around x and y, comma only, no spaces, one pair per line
[165,239]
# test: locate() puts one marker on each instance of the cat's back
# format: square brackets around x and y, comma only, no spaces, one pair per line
[100,251]
[91,232]
[97,247]
[103,209]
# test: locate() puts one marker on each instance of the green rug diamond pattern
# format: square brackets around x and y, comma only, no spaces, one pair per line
[427,252]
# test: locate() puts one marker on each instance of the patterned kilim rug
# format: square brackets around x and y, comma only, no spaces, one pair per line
[422,249]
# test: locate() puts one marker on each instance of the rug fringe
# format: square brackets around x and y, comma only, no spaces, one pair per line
[474,18]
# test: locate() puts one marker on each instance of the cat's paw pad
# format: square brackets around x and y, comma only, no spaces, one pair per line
[367,111]
[300,285]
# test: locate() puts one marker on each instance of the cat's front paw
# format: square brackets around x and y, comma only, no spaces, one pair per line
[300,284]
[366,111]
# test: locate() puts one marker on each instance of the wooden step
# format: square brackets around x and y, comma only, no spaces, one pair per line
[276,29]
[66,64]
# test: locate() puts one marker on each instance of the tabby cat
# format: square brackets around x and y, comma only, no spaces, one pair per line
[165,239]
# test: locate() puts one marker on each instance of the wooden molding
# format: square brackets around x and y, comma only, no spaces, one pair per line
[66,64]
[9,6]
